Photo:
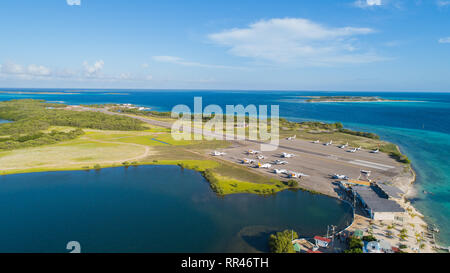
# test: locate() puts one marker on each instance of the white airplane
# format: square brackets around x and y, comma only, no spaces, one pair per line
[292,137]
[366,172]
[344,146]
[353,150]
[340,176]
[316,142]
[286,155]
[280,162]
[277,171]
[328,143]
[248,161]
[296,175]
[359,148]
[264,166]
[216,153]
[260,157]
[302,175]
[252,152]
[375,151]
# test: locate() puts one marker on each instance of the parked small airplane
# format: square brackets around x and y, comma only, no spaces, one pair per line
[375,151]
[280,162]
[340,176]
[328,143]
[277,171]
[296,175]
[353,150]
[216,153]
[248,161]
[359,148]
[252,152]
[302,175]
[286,155]
[264,166]
[260,157]
[344,146]
[292,137]
[316,142]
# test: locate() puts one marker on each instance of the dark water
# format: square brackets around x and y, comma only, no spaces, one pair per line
[421,128]
[150,209]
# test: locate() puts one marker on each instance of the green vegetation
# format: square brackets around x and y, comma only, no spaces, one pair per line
[361,134]
[226,185]
[323,128]
[403,234]
[395,153]
[32,117]
[17,141]
[355,245]
[281,242]
[369,238]
[37,115]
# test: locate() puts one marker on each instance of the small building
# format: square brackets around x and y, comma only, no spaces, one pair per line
[390,192]
[321,241]
[297,248]
[377,205]
[396,249]
[372,247]
[358,234]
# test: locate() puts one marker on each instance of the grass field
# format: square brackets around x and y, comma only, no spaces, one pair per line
[98,149]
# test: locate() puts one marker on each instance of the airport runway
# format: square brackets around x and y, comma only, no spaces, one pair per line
[316,160]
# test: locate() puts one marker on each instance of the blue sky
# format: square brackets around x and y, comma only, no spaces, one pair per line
[354,45]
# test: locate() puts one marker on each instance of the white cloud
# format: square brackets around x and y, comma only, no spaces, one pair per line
[445,40]
[73,2]
[91,73]
[181,61]
[367,3]
[10,68]
[38,70]
[295,40]
[442,3]
[93,70]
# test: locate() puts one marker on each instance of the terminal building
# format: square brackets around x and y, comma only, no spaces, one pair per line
[380,204]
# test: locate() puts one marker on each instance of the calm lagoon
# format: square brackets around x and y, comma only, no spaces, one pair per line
[150,209]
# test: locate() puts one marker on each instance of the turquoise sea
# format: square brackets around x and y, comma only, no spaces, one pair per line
[421,127]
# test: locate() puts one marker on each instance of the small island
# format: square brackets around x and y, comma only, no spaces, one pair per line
[349,99]
[43,137]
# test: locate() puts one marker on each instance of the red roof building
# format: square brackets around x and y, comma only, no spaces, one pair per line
[321,241]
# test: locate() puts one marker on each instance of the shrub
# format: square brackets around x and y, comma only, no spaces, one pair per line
[281,242]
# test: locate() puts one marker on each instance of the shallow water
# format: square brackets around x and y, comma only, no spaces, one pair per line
[150,209]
